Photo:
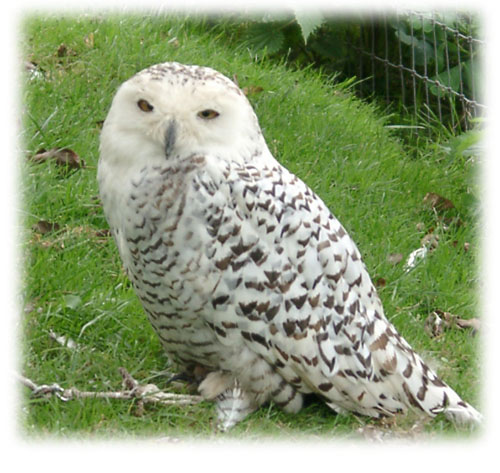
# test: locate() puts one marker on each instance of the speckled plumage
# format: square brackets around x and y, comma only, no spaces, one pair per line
[243,271]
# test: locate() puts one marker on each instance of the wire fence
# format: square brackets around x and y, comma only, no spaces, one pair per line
[428,62]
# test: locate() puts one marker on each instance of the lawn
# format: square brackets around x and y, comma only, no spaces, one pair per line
[73,284]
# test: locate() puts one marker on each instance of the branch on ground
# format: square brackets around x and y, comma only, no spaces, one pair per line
[145,393]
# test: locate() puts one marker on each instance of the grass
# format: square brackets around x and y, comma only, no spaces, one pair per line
[73,283]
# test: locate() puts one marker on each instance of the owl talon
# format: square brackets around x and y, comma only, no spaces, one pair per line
[186,377]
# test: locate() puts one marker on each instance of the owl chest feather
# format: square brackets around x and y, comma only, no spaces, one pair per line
[164,252]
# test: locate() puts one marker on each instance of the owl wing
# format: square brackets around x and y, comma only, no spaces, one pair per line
[292,287]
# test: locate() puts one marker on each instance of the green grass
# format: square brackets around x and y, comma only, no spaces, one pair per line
[73,283]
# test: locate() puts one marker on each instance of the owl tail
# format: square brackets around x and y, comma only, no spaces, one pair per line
[426,391]
[457,410]
[233,405]
[405,380]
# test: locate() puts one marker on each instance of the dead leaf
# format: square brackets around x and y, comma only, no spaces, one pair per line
[434,325]
[380,282]
[431,241]
[474,324]
[395,258]
[61,156]
[252,89]
[92,232]
[466,246]
[64,51]
[438,320]
[72,301]
[438,202]
[43,227]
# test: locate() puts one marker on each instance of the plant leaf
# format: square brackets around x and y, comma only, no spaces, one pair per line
[72,301]
[61,156]
[265,36]
[308,22]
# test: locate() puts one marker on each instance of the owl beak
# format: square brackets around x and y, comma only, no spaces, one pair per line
[170,137]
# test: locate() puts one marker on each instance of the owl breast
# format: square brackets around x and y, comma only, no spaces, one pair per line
[165,249]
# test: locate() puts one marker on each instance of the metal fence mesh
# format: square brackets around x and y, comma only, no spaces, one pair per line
[427,61]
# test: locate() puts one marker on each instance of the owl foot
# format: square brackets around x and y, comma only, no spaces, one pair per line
[186,377]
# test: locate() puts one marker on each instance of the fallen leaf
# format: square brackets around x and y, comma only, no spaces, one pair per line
[430,241]
[37,240]
[61,156]
[92,232]
[63,51]
[438,202]
[438,320]
[474,324]
[380,282]
[466,246]
[72,301]
[434,325]
[252,89]
[395,258]
[43,227]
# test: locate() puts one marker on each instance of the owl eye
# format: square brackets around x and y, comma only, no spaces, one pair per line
[208,114]
[144,105]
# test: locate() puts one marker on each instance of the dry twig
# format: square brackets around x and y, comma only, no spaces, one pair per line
[145,393]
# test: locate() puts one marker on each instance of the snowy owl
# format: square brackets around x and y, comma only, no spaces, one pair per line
[250,282]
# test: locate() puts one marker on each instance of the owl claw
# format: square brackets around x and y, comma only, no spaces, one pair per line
[188,378]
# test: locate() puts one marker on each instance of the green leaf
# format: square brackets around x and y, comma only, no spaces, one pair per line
[404,37]
[265,36]
[72,302]
[428,26]
[448,79]
[308,22]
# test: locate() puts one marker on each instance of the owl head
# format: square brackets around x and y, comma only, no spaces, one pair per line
[171,111]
